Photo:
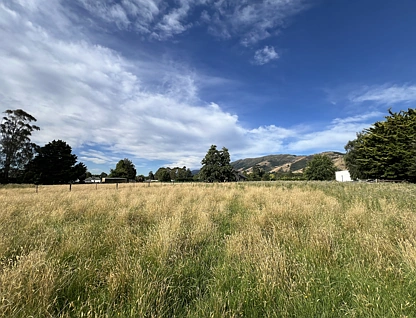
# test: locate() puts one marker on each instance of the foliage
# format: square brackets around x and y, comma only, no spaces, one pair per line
[282,249]
[124,169]
[140,178]
[54,164]
[177,174]
[321,168]
[103,175]
[163,174]
[386,150]
[216,166]
[289,175]
[258,173]
[16,148]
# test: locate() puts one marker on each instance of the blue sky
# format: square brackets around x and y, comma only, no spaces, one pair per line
[158,82]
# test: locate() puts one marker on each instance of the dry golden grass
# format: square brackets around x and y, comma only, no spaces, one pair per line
[208,250]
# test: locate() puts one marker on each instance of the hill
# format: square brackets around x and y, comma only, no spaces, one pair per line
[285,162]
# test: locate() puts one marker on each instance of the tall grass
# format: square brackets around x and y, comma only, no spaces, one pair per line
[281,249]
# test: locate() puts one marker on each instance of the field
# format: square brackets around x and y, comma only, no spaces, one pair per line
[281,249]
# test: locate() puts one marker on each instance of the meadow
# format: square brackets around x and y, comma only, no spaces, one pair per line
[278,249]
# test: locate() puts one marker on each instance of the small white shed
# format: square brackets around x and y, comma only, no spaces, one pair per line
[343,176]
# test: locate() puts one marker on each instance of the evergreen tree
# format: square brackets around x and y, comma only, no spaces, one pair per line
[16,150]
[385,150]
[55,164]
[321,168]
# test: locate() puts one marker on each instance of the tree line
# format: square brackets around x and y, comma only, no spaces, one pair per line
[386,150]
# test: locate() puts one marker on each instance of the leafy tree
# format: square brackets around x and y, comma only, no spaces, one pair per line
[55,164]
[103,175]
[320,167]
[385,150]
[151,175]
[216,166]
[176,173]
[124,169]
[140,178]
[163,174]
[15,146]
[257,174]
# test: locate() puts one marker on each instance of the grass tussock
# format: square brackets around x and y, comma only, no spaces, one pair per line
[281,249]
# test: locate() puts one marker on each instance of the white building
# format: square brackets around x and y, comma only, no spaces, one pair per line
[343,176]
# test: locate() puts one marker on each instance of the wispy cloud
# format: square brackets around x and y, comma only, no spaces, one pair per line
[385,94]
[252,21]
[249,21]
[265,55]
[335,135]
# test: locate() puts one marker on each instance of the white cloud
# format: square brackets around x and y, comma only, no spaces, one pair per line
[385,94]
[335,136]
[108,107]
[265,55]
[252,21]
[97,157]
[249,21]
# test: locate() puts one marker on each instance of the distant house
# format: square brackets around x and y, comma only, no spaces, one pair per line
[93,180]
[343,176]
[114,180]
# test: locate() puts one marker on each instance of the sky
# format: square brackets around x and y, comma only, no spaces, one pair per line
[159,82]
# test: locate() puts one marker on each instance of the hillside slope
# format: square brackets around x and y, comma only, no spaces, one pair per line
[285,162]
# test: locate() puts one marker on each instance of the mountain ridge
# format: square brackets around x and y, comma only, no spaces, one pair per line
[286,162]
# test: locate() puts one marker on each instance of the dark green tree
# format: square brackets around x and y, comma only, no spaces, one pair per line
[163,174]
[55,164]
[189,175]
[151,175]
[140,178]
[386,150]
[103,175]
[353,149]
[124,169]
[321,168]
[16,149]
[257,173]
[216,166]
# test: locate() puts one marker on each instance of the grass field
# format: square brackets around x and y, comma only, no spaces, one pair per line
[281,249]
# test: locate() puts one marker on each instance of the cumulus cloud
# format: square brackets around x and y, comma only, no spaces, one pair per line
[265,55]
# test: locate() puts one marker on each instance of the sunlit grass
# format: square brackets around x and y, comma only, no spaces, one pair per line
[279,249]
